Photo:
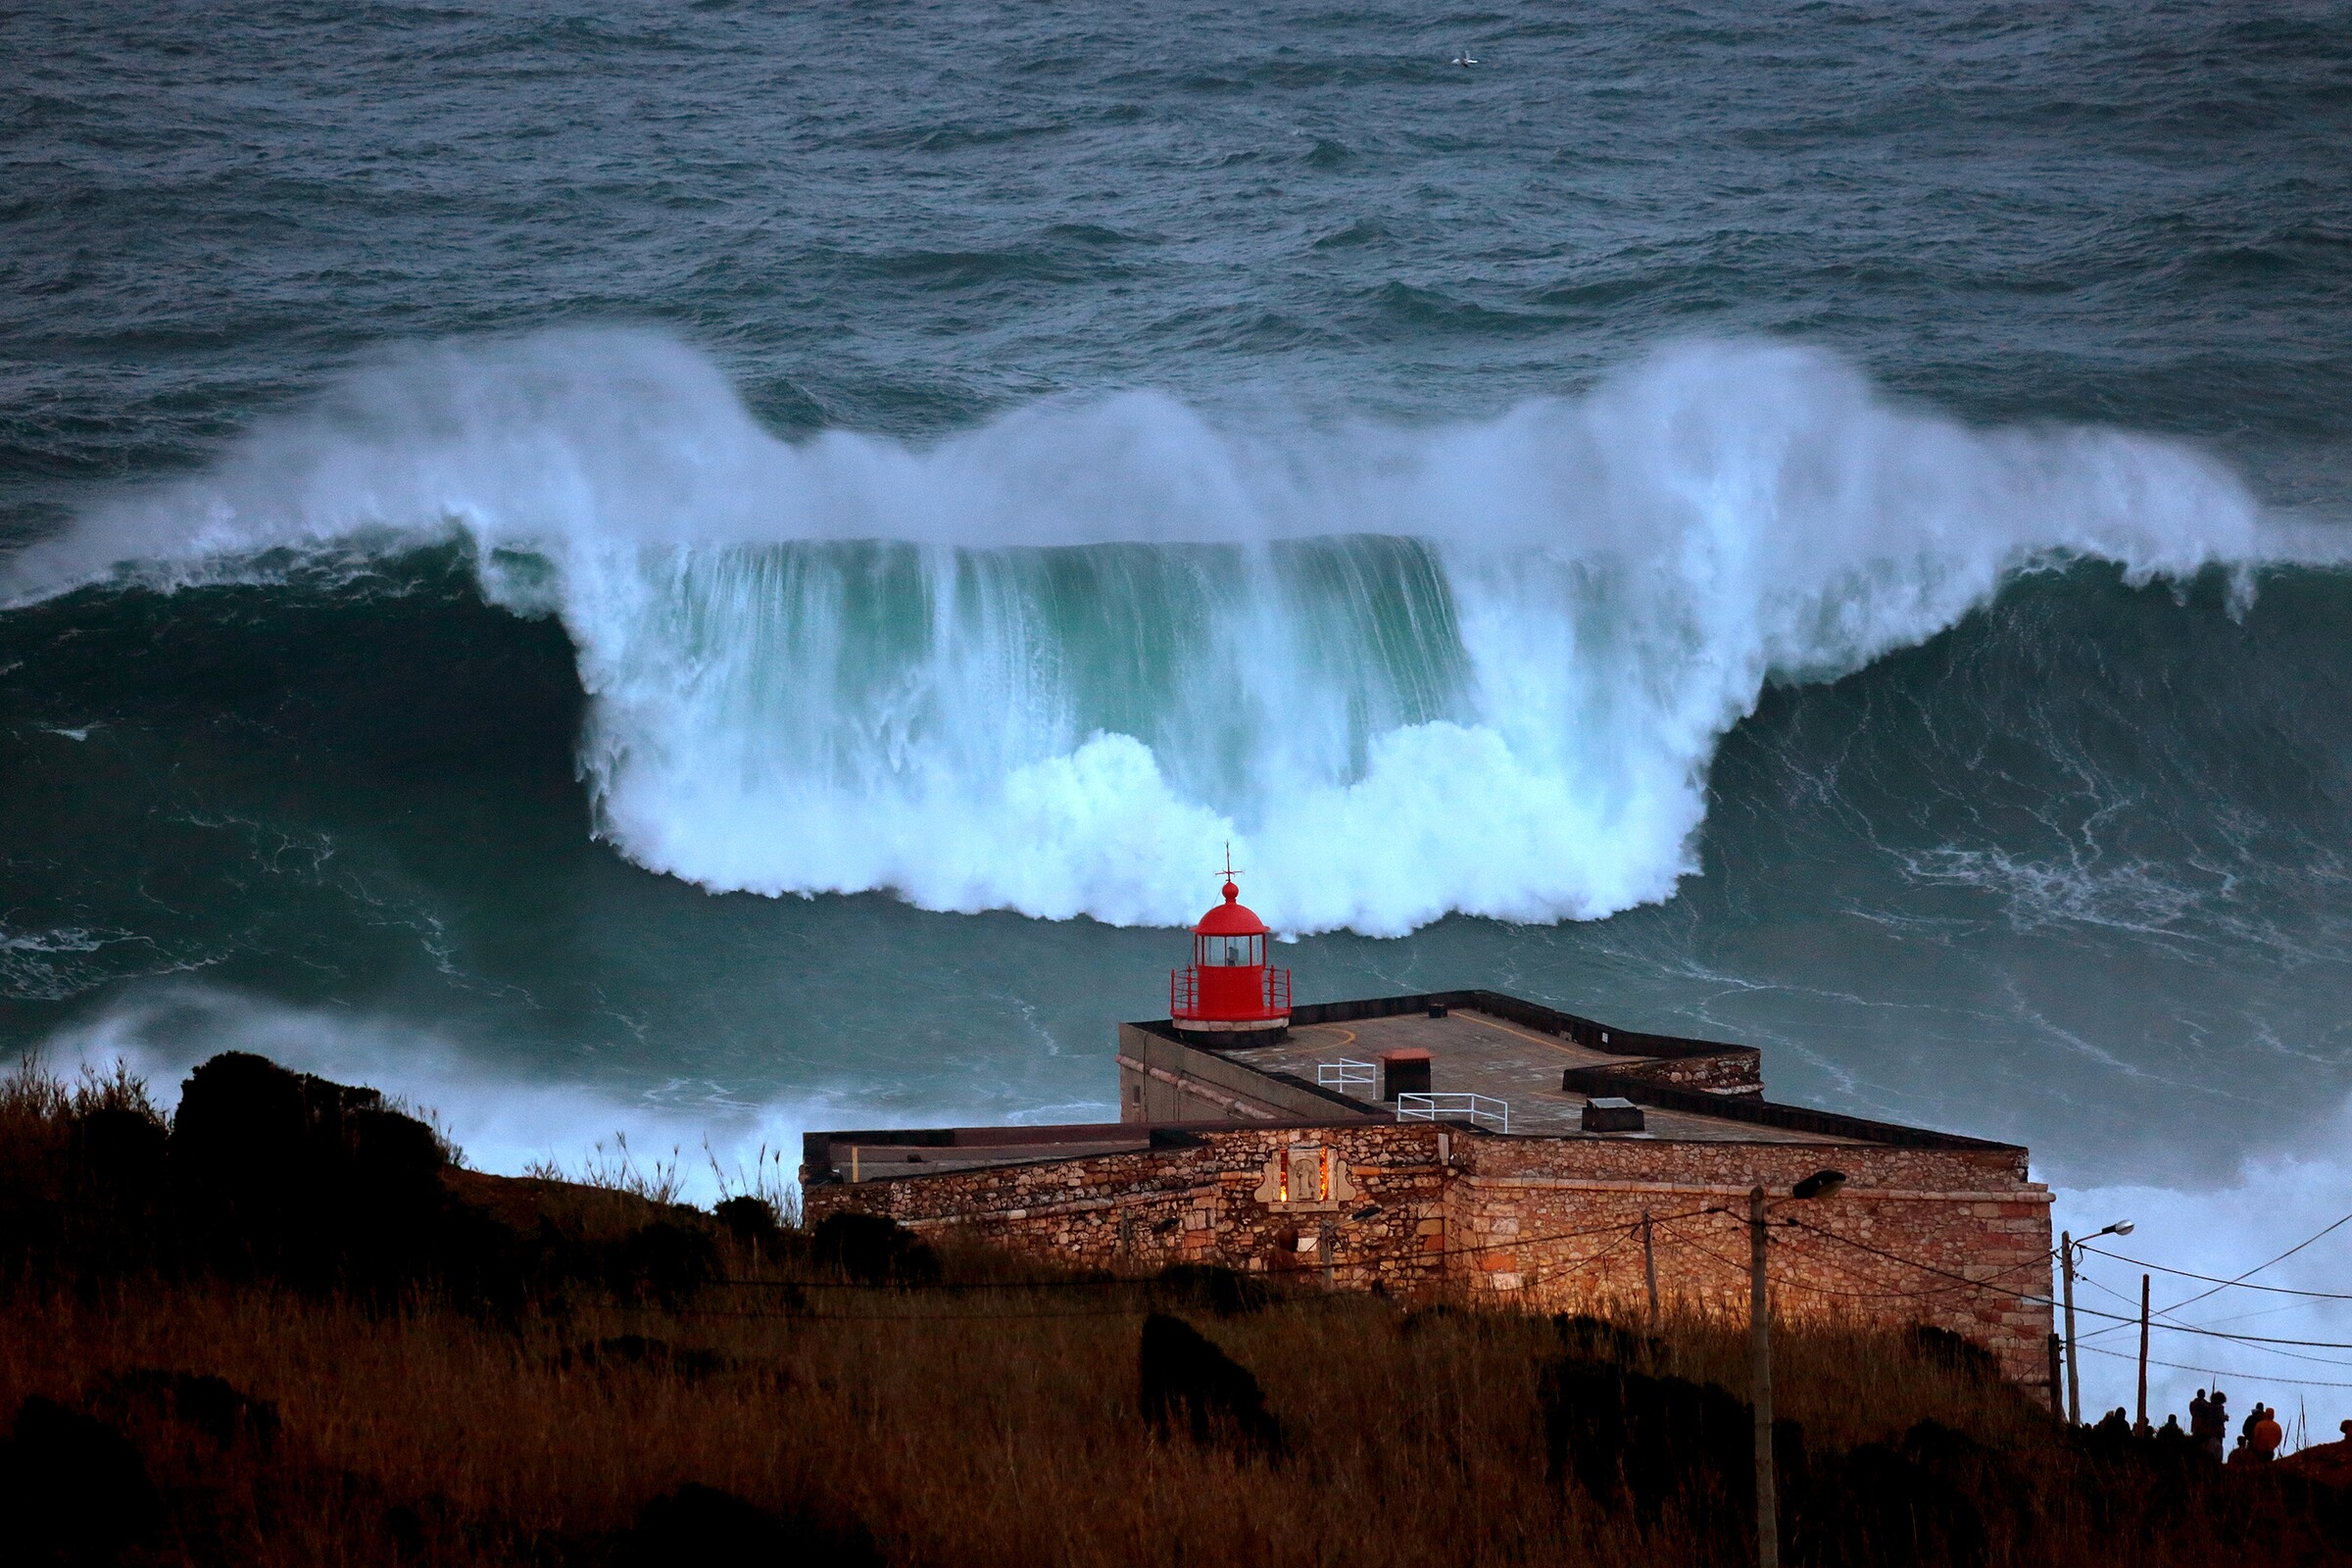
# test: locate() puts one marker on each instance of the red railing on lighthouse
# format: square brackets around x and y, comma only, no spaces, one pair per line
[1273,999]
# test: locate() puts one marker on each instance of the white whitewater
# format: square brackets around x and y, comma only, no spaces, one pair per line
[1054,663]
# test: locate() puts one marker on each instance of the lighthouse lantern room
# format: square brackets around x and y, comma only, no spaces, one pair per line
[1228,989]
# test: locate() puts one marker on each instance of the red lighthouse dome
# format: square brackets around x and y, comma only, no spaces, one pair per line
[1228,989]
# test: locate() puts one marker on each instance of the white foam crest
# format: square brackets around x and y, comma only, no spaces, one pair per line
[1478,666]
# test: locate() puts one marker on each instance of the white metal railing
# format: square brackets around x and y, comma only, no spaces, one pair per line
[1345,1073]
[1477,1108]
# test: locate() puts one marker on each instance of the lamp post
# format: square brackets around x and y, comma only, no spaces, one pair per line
[2067,1248]
[1820,1184]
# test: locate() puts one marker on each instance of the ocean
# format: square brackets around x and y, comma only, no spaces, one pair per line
[679,573]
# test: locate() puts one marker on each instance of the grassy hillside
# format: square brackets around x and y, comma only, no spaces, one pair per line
[286,1330]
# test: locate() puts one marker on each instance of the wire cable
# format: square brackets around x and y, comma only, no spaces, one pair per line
[2176,1328]
[1141,1281]
[2259,1267]
[2215,1372]
[1282,1299]
[2241,1283]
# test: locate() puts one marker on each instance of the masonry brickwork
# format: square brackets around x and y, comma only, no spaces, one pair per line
[1218,1160]
[1542,1224]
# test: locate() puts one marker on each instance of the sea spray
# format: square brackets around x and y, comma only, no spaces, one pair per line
[1056,662]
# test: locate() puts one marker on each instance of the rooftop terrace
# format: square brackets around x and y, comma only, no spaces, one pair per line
[1534,1069]
[1475,1053]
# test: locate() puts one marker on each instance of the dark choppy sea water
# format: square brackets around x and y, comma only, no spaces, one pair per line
[705,569]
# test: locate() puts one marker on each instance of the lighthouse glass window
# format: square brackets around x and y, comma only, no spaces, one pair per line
[1231,951]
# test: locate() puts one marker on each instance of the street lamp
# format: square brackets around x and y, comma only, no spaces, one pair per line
[1821,1184]
[2067,1247]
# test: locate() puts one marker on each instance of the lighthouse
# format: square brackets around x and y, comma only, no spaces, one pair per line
[1227,992]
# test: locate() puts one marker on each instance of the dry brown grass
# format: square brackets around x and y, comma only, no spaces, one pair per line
[975,1428]
[983,1423]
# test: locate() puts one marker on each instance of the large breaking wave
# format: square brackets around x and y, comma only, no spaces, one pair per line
[1056,663]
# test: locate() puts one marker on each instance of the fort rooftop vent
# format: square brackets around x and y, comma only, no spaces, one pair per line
[1611,1114]
[1403,1072]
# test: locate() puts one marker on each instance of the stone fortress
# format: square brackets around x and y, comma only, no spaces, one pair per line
[1471,1145]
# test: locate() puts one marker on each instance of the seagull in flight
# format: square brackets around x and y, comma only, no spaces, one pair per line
[1463,58]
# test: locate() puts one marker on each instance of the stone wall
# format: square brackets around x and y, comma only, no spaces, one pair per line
[1550,1224]
[1727,1073]
[1207,1199]
[1555,1224]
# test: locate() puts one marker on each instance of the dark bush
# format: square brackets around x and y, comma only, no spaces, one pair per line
[297,1175]
[873,1249]
[240,1149]
[403,1527]
[665,1262]
[1190,1386]
[210,1404]
[1875,1507]
[122,1152]
[1650,1442]
[1213,1289]
[1663,1445]
[72,1490]
[322,1184]
[1955,1352]
[1420,1320]
[751,1221]
[1598,1337]
[697,1526]
[393,1157]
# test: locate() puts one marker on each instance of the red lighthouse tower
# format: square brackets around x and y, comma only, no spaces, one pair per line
[1227,990]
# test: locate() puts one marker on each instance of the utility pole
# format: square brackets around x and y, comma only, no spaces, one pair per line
[2074,1379]
[2144,1354]
[1821,1184]
[1759,1337]
[2057,1382]
[1649,1271]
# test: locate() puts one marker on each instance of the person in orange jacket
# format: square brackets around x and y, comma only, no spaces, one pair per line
[2267,1434]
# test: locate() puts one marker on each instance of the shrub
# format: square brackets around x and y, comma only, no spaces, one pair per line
[1213,1288]
[1655,1441]
[665,1261]
[696,1526]
[72,1490]
[873,1249]
[1190,1386]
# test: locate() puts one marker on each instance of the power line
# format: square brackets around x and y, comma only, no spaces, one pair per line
[2273,1347]
[2274,1290]
[2259,1267]
[2133,1320]
[1145,1282]
[1284,1299]
[1737,1267]
[1153,1281]
[1873,1296]
[2216,1372]
[2221,1334]
[1543,1272]
[1928,1268]
[2176,1328]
